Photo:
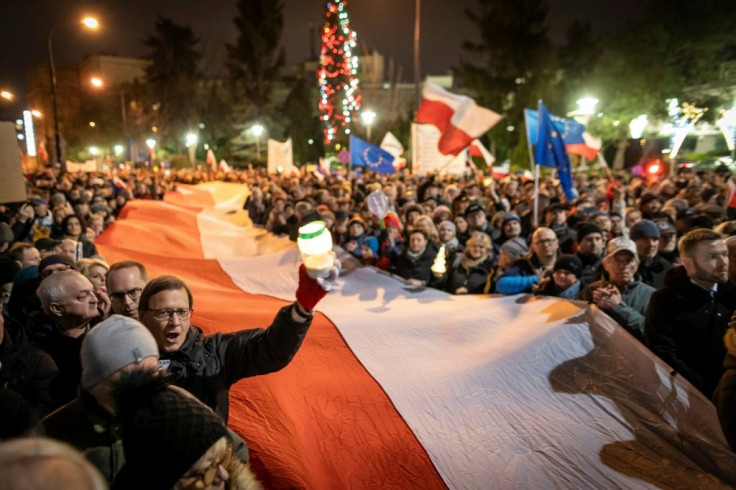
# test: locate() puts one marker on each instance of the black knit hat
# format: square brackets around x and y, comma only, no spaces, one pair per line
[54,259]
[569,263]
[587,228]
[165,429]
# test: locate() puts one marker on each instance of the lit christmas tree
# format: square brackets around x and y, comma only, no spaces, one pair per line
[337,74]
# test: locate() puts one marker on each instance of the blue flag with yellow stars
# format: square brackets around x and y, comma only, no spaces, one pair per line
[364,154]
[551,151]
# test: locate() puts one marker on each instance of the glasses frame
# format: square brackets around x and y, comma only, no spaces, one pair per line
[133,294]
[165,314]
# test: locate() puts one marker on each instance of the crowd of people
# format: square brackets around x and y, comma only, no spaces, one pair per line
[657,256]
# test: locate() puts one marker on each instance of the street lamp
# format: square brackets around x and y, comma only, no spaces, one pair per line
[257,131]
[586,106]
[7,95]
[190,140]
[89,23]
[96,82]
[368,117]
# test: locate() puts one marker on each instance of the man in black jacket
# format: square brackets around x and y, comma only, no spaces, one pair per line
[652,266]
[688,317]
[207,366]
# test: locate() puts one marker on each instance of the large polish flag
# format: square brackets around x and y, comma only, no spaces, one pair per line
[459,119]
[403,387]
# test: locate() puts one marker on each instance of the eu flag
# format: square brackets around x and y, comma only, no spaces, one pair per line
[551,151]
[364,154]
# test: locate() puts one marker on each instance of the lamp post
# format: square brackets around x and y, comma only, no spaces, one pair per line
[368,117]
[89,23]
[257,131]
[191,144]
[151,144]
[7,95]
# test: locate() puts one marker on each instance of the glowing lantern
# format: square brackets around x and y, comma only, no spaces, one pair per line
[315,245]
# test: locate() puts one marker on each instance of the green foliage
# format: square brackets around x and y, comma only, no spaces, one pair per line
[302,121]
[512,66]
[254,61]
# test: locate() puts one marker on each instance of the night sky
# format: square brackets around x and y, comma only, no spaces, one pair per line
[386,25]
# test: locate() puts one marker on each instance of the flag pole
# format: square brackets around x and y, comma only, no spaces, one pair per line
[535,166]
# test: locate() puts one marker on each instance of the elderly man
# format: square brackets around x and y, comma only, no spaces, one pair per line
[622,296]
[125,282]
[207,366]
[523,274]
[477,220]
[652,266]
[687,318]
[70,304]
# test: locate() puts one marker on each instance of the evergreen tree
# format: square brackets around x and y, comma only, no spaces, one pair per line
[339,99]
[302,122]
[256,58]
[511,67]
[173,79]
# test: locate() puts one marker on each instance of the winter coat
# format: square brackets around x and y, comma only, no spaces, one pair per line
[630,313]
[64,350]
[653,271]
[592,267]
[83,424]
[685,328]
[519,277]
[207,366]
[409,268]
[468,275]
[724,397]
[549,288]
[31,373]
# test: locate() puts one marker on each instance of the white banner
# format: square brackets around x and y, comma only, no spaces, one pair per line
[280,156]
[427,157]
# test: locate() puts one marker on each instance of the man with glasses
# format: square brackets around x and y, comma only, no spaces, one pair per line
[125,282]
[525,273]
[207,366]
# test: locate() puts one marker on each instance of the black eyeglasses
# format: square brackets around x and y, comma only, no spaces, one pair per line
[165,314]
[133,294]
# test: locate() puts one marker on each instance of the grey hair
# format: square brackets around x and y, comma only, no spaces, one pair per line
[34,463]
[52,288]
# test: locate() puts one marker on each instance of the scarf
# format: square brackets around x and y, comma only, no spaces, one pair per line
[571,292]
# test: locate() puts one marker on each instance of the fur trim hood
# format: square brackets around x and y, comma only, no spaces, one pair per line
[241,476]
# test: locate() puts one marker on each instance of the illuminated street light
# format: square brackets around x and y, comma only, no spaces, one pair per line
[94,151]
[118,150]
[5,94]
[257,131]
[89,23]
[637,126]
[586,106]
[96,82]
[151,143]
[190,139]
[368,118]
[36,114]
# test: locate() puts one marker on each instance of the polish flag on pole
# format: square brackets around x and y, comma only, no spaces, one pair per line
[459,118]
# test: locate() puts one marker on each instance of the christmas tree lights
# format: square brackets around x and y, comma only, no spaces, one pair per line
[338,83]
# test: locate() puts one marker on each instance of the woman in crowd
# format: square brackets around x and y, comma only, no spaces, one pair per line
[74,229]
[472,271]
[96,271]
[415,261]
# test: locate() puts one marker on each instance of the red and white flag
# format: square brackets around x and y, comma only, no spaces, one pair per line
[459,119]
[405,388]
